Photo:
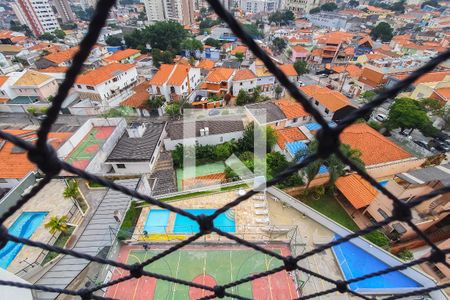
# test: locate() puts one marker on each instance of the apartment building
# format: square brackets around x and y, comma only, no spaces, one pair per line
[304,6]
[259,6]
[64,10]
[177,10]
[38,16]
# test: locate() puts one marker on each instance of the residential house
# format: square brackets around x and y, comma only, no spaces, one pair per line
[205,65]
[331,104]
[127,56]
[109,85]
[211,132]
[426,85]
[244,79]
[408,186]
[241,49]
[58,59]
[299,53]
[372,77]
[138,149]
[59,73]
[35,85]
[218,81]
[14,162]
[365,45]
[439,271]
[139,100]
[264,79]
[287,138]
[291,74]
[175,81]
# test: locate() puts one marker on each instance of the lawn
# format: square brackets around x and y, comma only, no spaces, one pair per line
[60,242]
[329,206]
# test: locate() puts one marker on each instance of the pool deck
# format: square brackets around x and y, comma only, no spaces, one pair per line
[50,199]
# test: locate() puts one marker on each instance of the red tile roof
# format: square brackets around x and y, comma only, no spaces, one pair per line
[375,148]
[244,74]
[103,73]
[219,74]
[300,49]
[239,49]
[288,70]
[291,109]
[356,190]
[333,100]
[122,54]
[206,64]
[62,56]
[288,135]
[140,96]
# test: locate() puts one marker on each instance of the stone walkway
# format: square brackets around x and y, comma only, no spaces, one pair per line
[93,238]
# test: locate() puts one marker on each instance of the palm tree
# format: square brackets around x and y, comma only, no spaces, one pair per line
[336,168]
[57,224]
[71,191]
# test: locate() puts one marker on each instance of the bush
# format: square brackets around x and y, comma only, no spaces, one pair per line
[375,125]
[405,254]
[31,110]
[129,222]
[378,238]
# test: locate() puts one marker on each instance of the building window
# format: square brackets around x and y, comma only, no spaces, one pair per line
[221,139]
[317,102]
[295,120]
[90,87]
[383,213]
[79,86]
[327,110]
[3,180]
[240,84]
[120,166]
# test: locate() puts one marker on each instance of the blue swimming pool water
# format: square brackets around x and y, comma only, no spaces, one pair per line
[25,225]
[224,221]
[157,221]
[355,262]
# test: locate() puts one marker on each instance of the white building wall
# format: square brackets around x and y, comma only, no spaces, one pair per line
[155,10]
[9,183]
[247,85]
[131,167]
[215,139]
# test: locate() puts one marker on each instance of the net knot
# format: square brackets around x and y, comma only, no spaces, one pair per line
[136,271]
[401,211]
[341,286]
[290,263]
[85,294]
[437,256]
[46,160]
[3,236]
[328,142]
[219,291]
[205,223]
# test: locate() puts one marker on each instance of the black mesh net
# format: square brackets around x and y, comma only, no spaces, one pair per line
[44,156]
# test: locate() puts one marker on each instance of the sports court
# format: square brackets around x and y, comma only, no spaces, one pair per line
[204,265]
[82,154]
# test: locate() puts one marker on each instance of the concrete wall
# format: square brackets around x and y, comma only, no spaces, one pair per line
[214,139]
[9,292]
[389,169]
[8,183]
[16,191]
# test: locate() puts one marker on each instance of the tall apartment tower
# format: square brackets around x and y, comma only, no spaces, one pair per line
[181,11]
[304,6]
[38,16]
[64,10]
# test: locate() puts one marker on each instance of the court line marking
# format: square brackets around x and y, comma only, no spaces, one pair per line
[204,273]
[138,280]
[176,276]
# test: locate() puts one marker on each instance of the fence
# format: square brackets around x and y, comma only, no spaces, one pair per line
[46,159]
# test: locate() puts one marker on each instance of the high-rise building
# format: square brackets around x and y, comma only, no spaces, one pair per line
[304,6]
[259,6]
[38,16]
[177,10]
[64,10]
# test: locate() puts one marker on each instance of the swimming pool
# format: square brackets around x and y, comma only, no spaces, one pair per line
[157,221]
[224,221]
[24,226]
[355,262]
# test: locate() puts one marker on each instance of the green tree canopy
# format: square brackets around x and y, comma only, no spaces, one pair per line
[113,40]
[301,67]
[239,56]
[47,36]
[433,3]
[59,34]
[353,3]
[282,17]
[382,31]
[173,109]
[329,6]
[314,10]
[246,143]
[155,102]
[191,45]
[162,57]
[279,44]
[407,113]
[213,43]
[56,224]
[253,30]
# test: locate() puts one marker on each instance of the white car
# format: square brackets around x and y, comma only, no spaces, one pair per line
[381,117]
[301,83]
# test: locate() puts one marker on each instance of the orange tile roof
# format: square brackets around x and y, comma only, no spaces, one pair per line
[179,75]
[349,51]
[62,56]
[219,74]
[373,56]
[291,109]
[429,77]
[203,180]
[4,100]
[4,34]
[122,54]
[54,70]
[333,100]
[372,77]
[300,49]
[239,49]
[3,79]
[103,73]
[162,75]
[140,96]
[356,190]
[288,70]
[206,64]
[444,93]
[288,135]
[244,74]
[363,137]
[17,165]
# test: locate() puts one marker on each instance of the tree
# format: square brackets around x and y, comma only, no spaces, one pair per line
[191,45]
[246,143]
[223,151]
[69,26]
[173,109]
[57,224]
[208,23]
[398,6]
[47,36]
[58,33]
[155,102]
[353,3]
[165,57]
[407,113]
[382,31]
[334,165]
[213,43]
[253,30]
[314,10]
[84,15]
[71,190]
[432,3]
[329,6]
[301,67]
[405,254]
[278,91]
[20,28]
[113,40]
[118,112]
[279,44]
[282,17]
[239,56]
[242,98]
[431,105]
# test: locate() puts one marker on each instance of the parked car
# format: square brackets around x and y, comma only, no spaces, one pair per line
[323,75]
[422,144]
[439,146]
[380,117]
[330,87]
[301,83]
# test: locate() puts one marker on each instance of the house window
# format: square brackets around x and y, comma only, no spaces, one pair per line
[317,102]
[90,87]
[327,110]
[3,180]
[240,84]
[79,86]
[221,139]
[277,123]
[120,166]
[383,213]
[295,120]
